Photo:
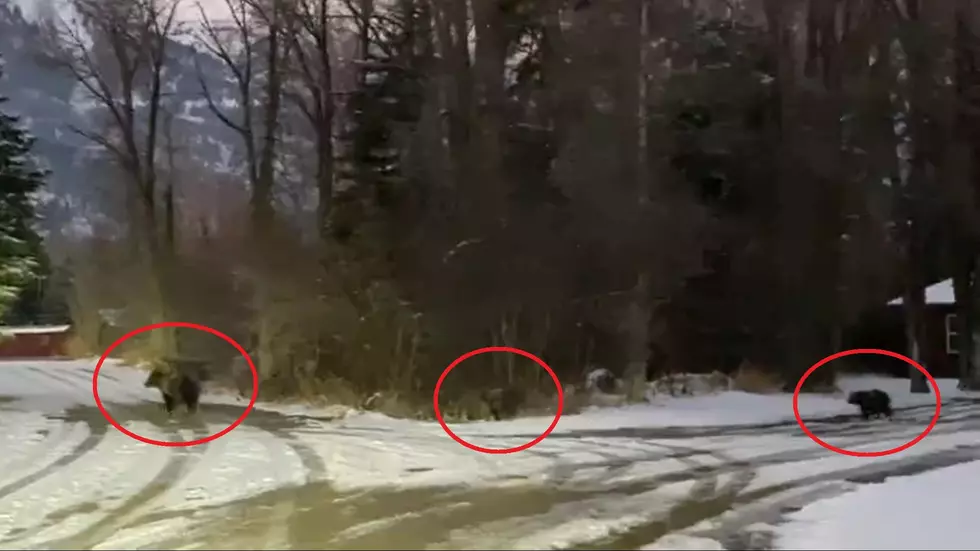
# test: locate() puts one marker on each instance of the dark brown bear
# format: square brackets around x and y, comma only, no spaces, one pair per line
[179,382]
[872,403]
[504,403]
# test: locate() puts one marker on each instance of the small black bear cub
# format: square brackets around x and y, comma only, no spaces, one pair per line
[872,403]
[179,382]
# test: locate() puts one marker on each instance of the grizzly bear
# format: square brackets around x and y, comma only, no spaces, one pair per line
[179,382]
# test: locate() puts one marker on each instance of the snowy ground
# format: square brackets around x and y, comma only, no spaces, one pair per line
[936,509]
[711,468]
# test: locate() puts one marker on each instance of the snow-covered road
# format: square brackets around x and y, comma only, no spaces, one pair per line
[708,471]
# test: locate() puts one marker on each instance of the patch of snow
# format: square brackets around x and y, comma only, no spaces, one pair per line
[236,468]
[789,472]
[680,542]
[598,377]
[898,389]
[215,10]
[82,101]
[52,385]
[30,9]
[194,119]
[939,293]
[934,510]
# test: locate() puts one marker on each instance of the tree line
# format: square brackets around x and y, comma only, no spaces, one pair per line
[651,186]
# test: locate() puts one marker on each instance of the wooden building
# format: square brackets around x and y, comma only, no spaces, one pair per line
[41,341]
[884,328]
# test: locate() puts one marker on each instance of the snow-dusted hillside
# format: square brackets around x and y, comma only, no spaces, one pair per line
[50,104]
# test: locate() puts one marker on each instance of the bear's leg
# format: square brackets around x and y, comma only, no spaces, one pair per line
[169,401]
[192,400]
[190,393]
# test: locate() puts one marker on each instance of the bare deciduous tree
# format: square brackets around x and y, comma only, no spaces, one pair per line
[117,50]
[315,96]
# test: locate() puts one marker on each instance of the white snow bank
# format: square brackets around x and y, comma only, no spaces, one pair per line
[50,385]
[681,542]
[935,510]
[898,389]
[938,293]
[731,408]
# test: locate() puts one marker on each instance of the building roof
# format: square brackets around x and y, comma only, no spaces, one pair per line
[938,293]
[9,330]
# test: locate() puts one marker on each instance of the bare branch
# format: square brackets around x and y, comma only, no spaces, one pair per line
[240,65]
[99,140]
[122,63]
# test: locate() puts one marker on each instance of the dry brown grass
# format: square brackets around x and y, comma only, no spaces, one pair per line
[76,348]
[470,406]
[575,400]
[753,378]
[136,355]
[540,402]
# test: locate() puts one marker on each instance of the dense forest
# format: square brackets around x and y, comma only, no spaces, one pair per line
[652,186]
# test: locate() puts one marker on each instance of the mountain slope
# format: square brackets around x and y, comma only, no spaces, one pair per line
[51,103]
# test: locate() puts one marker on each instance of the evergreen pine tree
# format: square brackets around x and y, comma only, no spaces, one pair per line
[388,98]
[21,258]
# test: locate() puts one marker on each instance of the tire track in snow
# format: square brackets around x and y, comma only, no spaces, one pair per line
[733,527]
[427,517]
[97,433]
[293,510]
[708,498]
[322,518]
[41,378]
[482,518]
[75,381]
[313,515]
[70,386]
[279,515]
[181,461]
[729,516]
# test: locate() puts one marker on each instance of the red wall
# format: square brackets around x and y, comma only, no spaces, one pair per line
[33,345]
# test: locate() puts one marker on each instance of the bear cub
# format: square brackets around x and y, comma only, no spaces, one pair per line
[872,403]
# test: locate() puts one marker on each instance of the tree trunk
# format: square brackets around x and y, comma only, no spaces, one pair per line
[973,376]
[963,292]
[261,197]
[963,177]
[637,327]
[914,211]
[489,63]
[915,304]
[452,25]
